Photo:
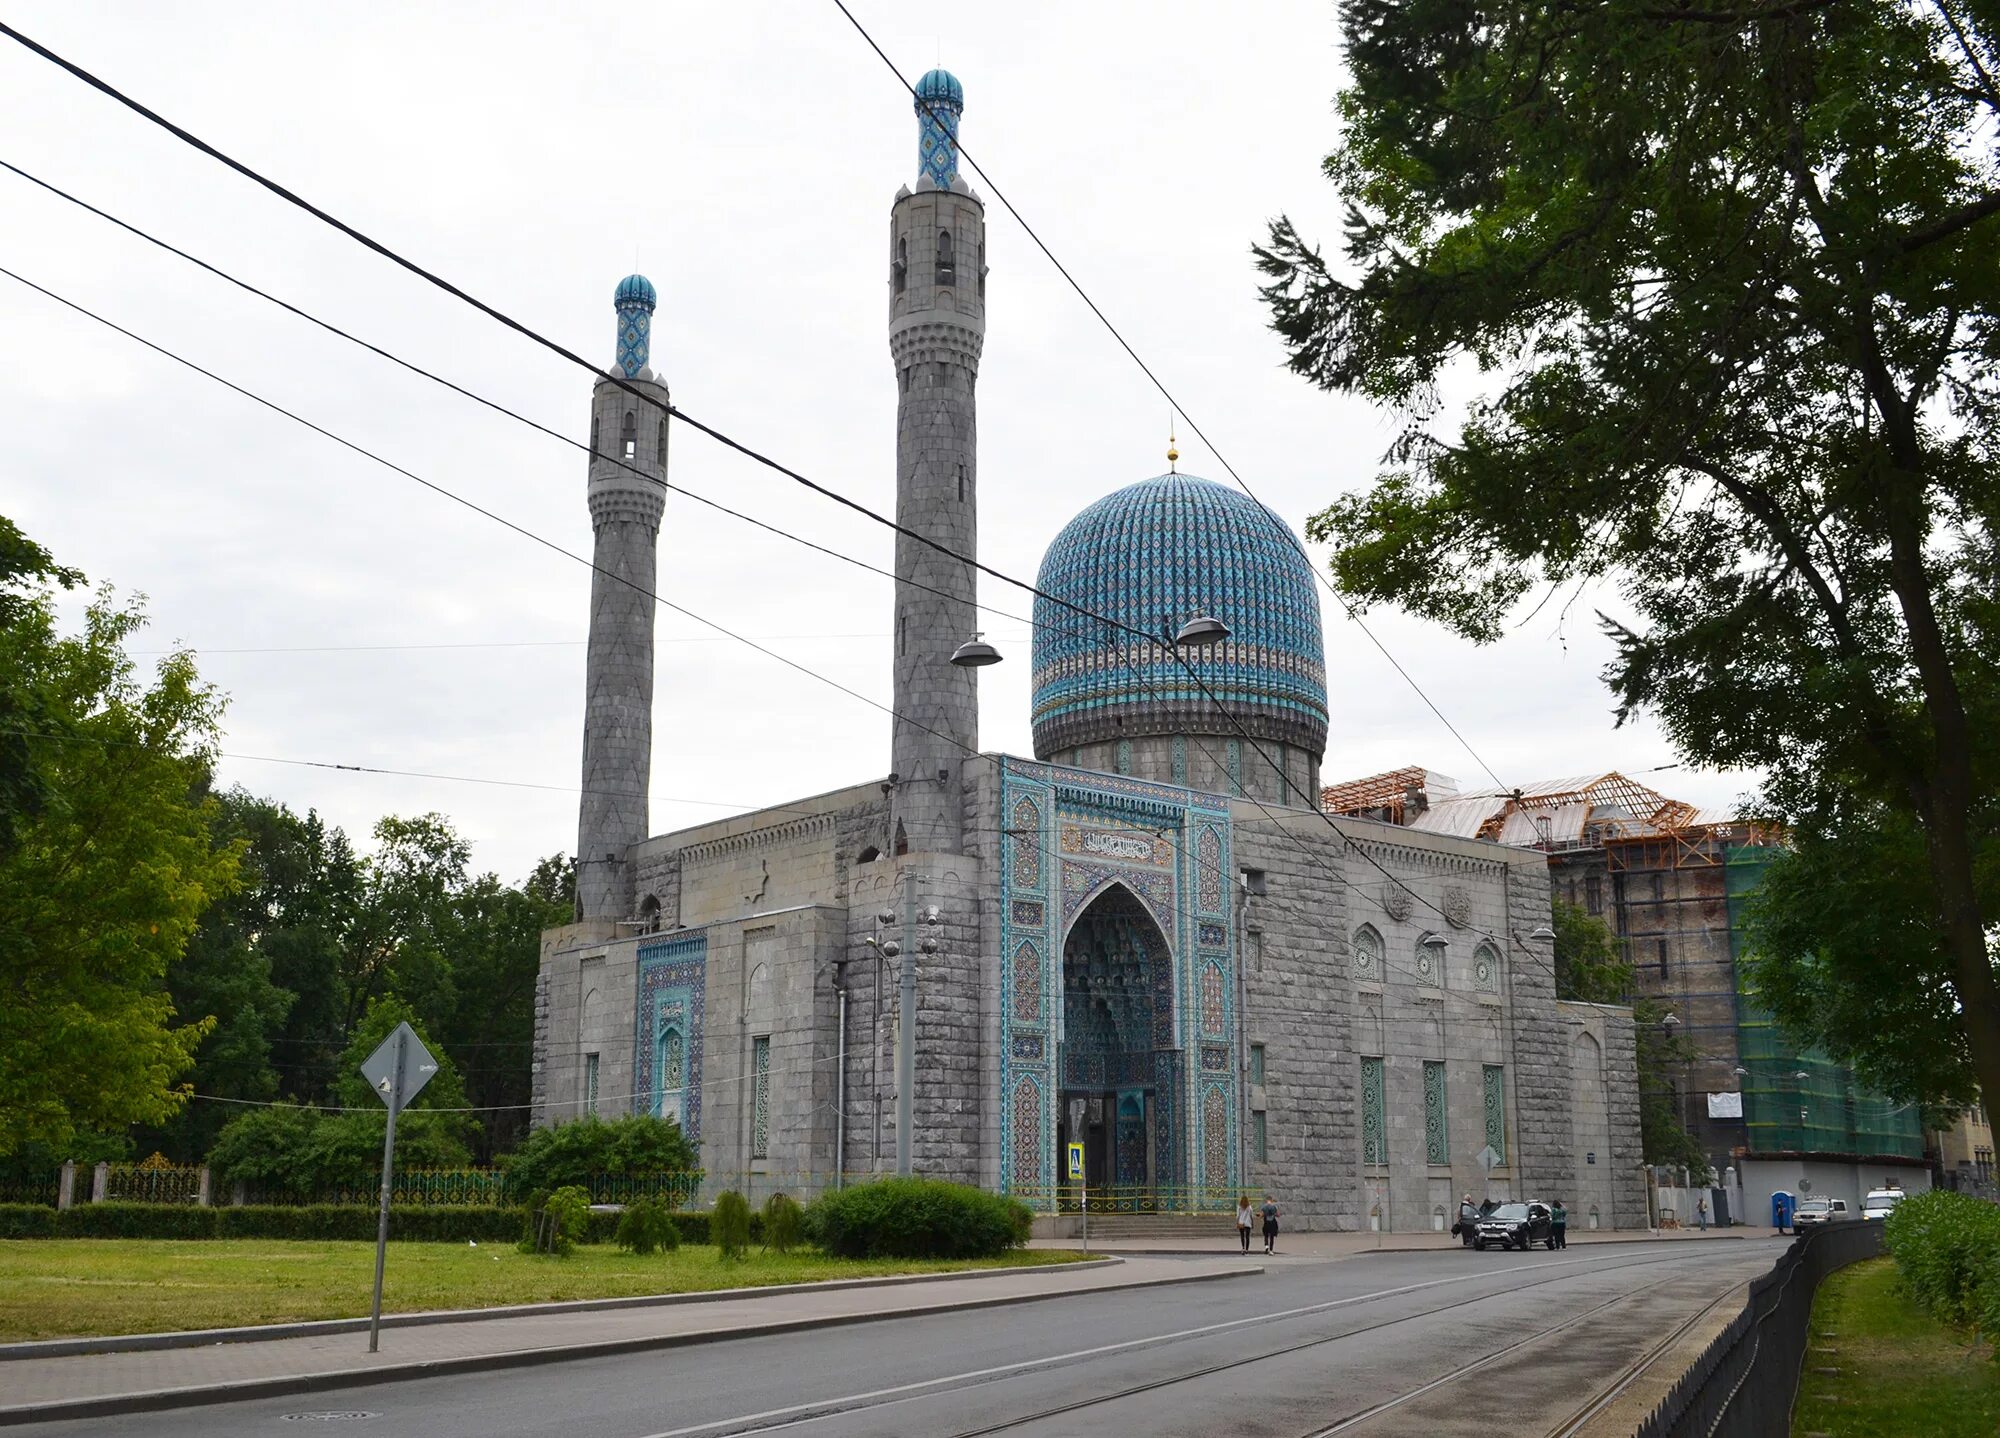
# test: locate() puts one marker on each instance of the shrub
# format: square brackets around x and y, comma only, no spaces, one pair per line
[298,1151]
[637,1145]
[27,1220]
[782,1222]
[729,1227]
[557,1222]
[136,1220]
[648,1227]
[916,1218]
[1947,1249]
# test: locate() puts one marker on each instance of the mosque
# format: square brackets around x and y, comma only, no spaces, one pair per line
[1148,940]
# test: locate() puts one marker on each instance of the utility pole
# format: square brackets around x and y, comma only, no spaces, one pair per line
[906,1037]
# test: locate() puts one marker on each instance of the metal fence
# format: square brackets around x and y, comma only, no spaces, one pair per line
[153,1181]
[1743,1384]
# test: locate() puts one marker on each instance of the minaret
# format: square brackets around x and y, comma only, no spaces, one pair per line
[627,491]
[937,325]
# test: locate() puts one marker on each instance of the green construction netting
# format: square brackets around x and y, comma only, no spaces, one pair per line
[1828,1111]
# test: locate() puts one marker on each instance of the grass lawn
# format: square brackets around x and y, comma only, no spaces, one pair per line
[60,1288]
[1901,1372]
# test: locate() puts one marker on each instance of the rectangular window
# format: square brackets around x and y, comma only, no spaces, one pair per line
[1374,1113]
[1496,1110]
[1259,1149]
[1257,1065]
[1233,756]
[1593,894]
[1437,1138]
[590,1083]
[760,1096]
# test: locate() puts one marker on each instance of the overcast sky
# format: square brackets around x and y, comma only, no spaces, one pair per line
[744,156]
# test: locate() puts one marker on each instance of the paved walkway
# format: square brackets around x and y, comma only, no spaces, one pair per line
[1347,1245]
[76,1386]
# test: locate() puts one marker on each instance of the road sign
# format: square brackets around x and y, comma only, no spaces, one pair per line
[397,1071]
[399,1068]
[1076,1161]
[1488,1159]
[1077,1108]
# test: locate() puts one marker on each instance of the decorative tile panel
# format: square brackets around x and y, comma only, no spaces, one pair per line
[1367,954]
[1486,969]
[1028,983]
[1496,1109]
[1374,1113]
[760,1096]
[671,989]
[1437,1134]
[1212,936]
[1027,845]
[1214,1008]
[1208,863]
[1215,1148]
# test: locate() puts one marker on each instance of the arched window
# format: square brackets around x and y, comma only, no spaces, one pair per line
[868,855]
[671,1065]
[593,437]
[982,270]
[947,272]
[901,269]
[1367,953]
[629,436]
[649,914]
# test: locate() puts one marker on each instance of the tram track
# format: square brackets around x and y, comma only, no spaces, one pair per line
[800,1415]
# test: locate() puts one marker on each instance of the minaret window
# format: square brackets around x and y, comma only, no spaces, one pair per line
[593,437]
[982,270]
[961,484]
[660,454]
[629,436]
[947,273]
[901,269]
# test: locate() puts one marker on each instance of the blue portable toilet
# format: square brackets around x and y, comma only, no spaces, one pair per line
[1783,1206]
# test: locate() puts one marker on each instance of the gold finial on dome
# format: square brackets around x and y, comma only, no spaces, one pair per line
[1173,455]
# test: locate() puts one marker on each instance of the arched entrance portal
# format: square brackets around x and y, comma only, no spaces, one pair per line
[1120,1069]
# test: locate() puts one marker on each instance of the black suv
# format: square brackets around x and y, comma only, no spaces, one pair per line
[1515,1225]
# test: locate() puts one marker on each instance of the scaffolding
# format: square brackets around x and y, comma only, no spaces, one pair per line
[1799,1101]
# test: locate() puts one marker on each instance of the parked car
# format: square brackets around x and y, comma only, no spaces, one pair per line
[1817,1211]
[1880,1203]
[1515,1225]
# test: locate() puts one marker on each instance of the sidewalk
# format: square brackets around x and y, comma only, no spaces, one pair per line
[1348,1245]
[97,1384]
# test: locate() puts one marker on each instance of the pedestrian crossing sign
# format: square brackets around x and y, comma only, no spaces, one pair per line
[1076,1161]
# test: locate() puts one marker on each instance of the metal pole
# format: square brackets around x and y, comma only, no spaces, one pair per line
[1083,1187]
[906,1046]
[382,1218]
[840,1101]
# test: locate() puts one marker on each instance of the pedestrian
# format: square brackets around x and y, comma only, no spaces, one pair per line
[1270,1224]
[1243,1212]
[1701,1214]
[1559,1225]
[1468,1220]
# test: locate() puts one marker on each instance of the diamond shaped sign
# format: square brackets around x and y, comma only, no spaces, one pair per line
[1488,1159]
[381,1069]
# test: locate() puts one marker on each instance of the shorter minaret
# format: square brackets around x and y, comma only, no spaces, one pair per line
[627,492]
[937,327]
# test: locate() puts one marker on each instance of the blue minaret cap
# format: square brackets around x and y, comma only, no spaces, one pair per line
[940,101]
[635,301]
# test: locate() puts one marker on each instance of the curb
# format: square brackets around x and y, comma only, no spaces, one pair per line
[323,1327]
[1453,1247]
[116,1404]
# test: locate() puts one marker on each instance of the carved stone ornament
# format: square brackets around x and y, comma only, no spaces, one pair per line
[1457,906]
[1396,901]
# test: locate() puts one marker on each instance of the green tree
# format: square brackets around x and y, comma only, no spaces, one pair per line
[1588,965]
[112,862]
[26,572]
[1730,268]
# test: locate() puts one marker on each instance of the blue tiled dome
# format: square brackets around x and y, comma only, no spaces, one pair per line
[636,289]
[1153,555]
[941,86]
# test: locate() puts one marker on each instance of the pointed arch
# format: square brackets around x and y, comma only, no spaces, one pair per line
[1368,951]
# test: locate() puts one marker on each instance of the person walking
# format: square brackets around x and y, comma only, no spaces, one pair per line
[1468,1220]
[1559,1225]
[1270,1224]
[1243,1214]
[1701,1214]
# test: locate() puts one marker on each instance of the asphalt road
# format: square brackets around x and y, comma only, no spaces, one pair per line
[1421,1343]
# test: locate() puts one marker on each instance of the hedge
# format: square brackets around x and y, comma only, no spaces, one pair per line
[916,1218]
[1947,1249]
[308,1221]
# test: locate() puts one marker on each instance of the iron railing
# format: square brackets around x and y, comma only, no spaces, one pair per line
[1744,1383]
[153,1181]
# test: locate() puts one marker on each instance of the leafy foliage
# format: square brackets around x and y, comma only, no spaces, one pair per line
[1722,280]
[648,1226]
[729,1227]
[1589,967]
[916,1218]
[783,1220]
[637,1144]
[1947,1248]
[557,1222]
[107,861]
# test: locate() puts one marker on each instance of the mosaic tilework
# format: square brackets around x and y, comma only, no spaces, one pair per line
[1213,936]
[634,301]
[1027,1046]
[1028,913]
[1496,1108]
[1082,883]
[671,1000]
[1213,1009]
[1208,862]
[1026,842]
[1486,969]
[1214,1059]
[1374,1113]
[1129,1141]
[1028,1171]
[1150,556]
[1215,1148]
[940,100]
[1367,953]
[1437,1137]
[1027,983]
[760,1097]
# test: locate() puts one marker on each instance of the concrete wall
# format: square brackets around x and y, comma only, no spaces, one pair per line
[1829,1179]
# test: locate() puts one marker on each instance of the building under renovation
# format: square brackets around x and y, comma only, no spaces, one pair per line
[1670,880]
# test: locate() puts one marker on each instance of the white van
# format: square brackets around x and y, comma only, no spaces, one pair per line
[1880,1202]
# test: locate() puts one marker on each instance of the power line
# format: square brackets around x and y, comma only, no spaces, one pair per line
[1165,393]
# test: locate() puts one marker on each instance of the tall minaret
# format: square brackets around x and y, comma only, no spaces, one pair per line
[937,325]
[627,489]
